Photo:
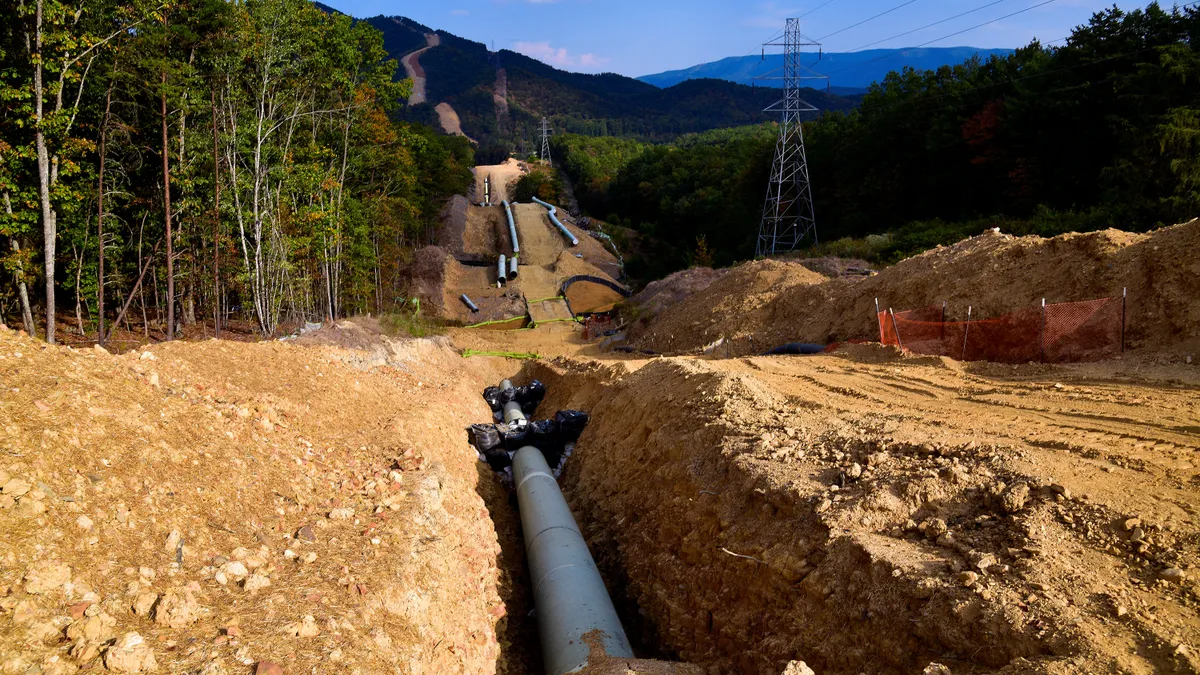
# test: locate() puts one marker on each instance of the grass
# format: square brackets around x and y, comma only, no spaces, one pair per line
[411,324]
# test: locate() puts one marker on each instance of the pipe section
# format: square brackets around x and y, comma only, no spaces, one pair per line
[512,228]
[512,409]
[502,272]
[470,305]
[554,219]
[568,592]
[512,268]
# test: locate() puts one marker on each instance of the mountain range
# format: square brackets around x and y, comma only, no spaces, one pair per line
[499,98]
[848,72]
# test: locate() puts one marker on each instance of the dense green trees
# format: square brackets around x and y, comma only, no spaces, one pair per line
[1102,131]
[202,158]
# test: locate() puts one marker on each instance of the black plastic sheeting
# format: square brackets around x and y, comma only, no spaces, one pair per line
[554,437]
[797,349]
[596,280]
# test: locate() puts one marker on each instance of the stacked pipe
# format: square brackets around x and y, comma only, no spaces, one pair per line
[554,219]
[574,610]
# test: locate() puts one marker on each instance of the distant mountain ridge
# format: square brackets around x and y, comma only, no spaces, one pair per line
[847,71]
[500,97]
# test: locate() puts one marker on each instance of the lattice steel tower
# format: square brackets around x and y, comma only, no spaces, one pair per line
[546,131]
[788,214]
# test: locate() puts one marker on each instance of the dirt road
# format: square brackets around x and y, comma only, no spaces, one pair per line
[412,66]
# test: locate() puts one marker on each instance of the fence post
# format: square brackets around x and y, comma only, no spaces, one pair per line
[1124,299]
[1042,332]
[896,328]
[966,332]
[879,321]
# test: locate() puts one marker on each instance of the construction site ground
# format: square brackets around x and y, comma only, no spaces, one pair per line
[314,503]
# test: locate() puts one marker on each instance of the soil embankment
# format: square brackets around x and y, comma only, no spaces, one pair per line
[993,273]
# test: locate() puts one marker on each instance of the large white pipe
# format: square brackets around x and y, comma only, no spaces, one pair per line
[574,613]
[554,219]
[502,271]
[512,228]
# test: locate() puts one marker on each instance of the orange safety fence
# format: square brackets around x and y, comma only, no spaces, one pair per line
[1057,333]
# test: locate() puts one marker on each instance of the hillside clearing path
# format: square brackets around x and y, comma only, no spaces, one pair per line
[412,66]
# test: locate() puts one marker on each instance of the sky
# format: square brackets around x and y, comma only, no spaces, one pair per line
[642,37]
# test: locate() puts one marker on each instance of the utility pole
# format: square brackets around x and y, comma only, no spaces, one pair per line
[546,131]
[788,214]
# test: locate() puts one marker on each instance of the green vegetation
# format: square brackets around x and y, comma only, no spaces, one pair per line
[153,113]
[542,182]
[1101,132]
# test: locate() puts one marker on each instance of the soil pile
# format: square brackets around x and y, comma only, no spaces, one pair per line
[661,294]
[994,273]
[205,507]
[750,512]
[734,306]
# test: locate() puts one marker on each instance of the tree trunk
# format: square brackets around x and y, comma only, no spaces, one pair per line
[134,291]
[167,213]
[22,289]
[100,210]
[216,223]
[78,283]
[49,217]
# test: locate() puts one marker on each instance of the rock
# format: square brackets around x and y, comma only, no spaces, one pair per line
[935,528]
[235,570]
[173,540]
[46,576]
[305,533]
[797,668]
[130,654]
[967,579]
[985,562]
[85,652]
[341,514]
[148,356]
[143,603]
[310,557]
[7,502]
[1173,575]
[16,487]
[855,471]
[177,608]
[41,631]
[305,628]
[936,669]
[84,523]
[92,629]
[1061,490]
[1137,535]
[268,668]
[1015,497]
[823,505]
[1121,610]
[1132,523]
[30,508]
[256,582]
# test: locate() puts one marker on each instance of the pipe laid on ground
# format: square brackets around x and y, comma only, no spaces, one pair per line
[470,305]
[554,219]
[568,592]
[512,227]
[512,268]
[502,271]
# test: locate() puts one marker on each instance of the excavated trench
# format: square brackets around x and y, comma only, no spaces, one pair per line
[714,559]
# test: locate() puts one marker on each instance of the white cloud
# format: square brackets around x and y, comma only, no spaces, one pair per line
[459,12]
[559,56]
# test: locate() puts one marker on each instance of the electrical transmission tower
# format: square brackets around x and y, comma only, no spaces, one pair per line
[546,131]
[788,214]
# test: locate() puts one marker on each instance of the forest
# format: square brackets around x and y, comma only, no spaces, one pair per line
[178,166]
[1101,131]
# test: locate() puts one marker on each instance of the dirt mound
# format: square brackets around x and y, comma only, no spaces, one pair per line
[750,512]
[731,306]
[994,273]
[213,505]
[454,225]
[661,294]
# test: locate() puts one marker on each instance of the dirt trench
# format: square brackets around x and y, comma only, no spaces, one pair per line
[747,515]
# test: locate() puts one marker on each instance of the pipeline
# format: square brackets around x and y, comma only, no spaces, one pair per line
[568,592]
[470,305]
[554,219]
[501,272]
[487,190]
[512,267]
[512,228]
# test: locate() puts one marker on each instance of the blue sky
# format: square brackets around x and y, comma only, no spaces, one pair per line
[648,36]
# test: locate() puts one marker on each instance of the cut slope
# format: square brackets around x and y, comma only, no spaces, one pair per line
[994,273]
[210,496]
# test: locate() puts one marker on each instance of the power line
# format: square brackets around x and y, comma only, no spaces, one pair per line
[944,37]
[935,23]
[843,30]
[815,9]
